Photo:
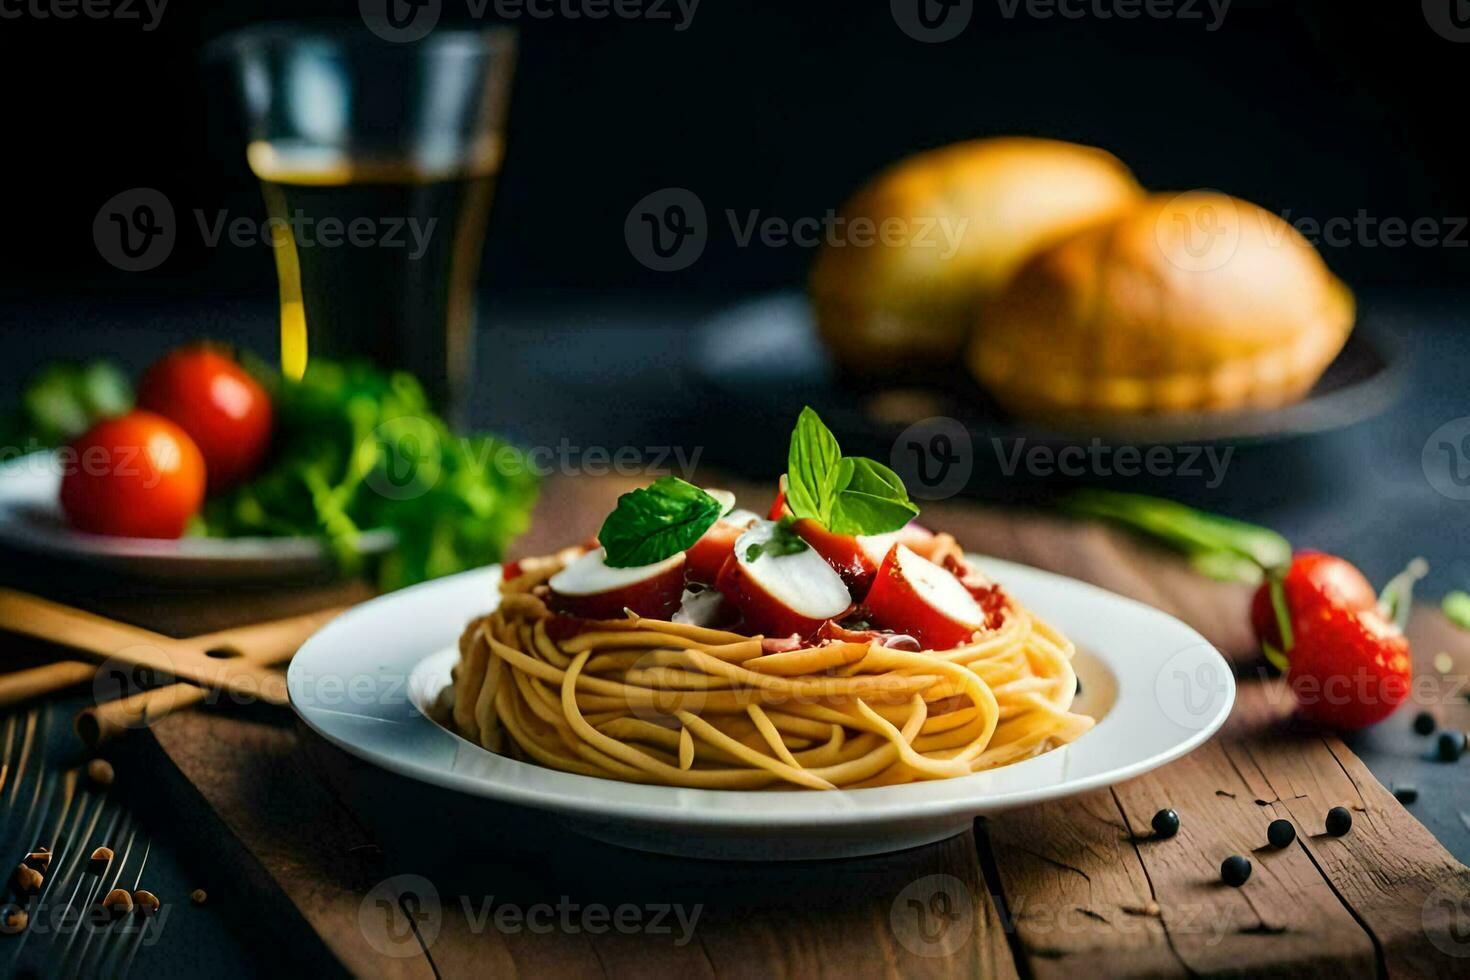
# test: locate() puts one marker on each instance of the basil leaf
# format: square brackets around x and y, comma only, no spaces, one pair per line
[657,522]
[783,541]
[870,499]
[845,494]
[811,467]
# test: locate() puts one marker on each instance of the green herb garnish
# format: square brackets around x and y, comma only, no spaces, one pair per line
[1220,547]
[63,400]
[1456,608]
[845,494]
[783,541]
[657,522]
[358,449]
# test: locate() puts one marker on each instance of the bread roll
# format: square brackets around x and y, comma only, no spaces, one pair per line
[1188,302]
[959,220]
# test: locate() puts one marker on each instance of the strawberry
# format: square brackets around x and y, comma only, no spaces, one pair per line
[1313,579]
[1350,667]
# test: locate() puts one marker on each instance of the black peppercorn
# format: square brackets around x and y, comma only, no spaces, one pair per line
[1166,823]
[1450,746]
[1406,794]
[1339,821]
[1281,833]
[1235,870]
[1424,723]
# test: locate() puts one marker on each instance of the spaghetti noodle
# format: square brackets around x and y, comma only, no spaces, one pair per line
[655,701]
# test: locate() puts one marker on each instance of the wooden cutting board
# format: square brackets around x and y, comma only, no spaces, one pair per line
[310,840]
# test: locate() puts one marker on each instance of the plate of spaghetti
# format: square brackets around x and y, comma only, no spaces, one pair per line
[828,679]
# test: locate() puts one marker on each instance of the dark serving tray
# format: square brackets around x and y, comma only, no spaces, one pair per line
[763,359]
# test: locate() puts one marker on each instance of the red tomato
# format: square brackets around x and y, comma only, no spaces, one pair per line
[224,409]
[1314,579]
[1350,668]
[138,475]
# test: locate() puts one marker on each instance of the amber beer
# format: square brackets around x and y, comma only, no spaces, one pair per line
[402,294]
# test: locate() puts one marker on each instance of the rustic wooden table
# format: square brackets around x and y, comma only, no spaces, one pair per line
[302,849]
[360,871]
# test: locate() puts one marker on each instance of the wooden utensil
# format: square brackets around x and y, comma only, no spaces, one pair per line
[264,644]
[138,653]
[35,682]
[214,661]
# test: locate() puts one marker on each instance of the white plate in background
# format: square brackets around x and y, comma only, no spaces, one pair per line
[31,520]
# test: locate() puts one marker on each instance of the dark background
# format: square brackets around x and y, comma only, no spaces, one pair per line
[1314,108]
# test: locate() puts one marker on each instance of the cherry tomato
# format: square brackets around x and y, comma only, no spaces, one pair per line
[224,409]
[1315,578]
[138,475]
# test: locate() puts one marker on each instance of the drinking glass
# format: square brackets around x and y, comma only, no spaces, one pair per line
[377,161]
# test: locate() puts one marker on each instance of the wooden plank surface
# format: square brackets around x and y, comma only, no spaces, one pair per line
[1078,885]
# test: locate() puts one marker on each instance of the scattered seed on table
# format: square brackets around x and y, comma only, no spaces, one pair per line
[118,903]
[145,902]
[1450,746]
[197,896]
[1235,870]
[1166,823]
[40,859]
[1339,821]
[26,880]
[1281,833]
[13,919]
[1443,662]
[1406,793]
[1424,723]
[100,772]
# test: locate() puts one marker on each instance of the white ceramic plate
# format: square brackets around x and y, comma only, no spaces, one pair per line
[31,520]
[368,679]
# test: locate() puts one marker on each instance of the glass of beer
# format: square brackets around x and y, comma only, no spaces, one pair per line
[377,160]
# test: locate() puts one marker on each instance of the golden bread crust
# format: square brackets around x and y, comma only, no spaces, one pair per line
[1189,302]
